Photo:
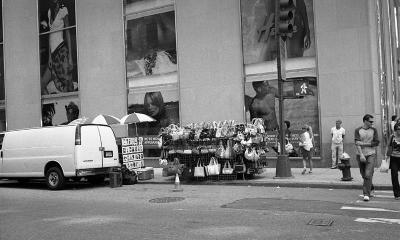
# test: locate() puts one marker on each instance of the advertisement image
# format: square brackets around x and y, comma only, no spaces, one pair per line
[59,112]
[57,40]
[259,42]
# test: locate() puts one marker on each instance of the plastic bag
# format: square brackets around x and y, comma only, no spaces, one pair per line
[384,165]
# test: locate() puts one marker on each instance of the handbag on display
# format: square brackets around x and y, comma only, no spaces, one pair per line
[219,153]
[228,153]
[173,168]
[251,154]
[213,167]
[240,167]
[199,170]
[227,169]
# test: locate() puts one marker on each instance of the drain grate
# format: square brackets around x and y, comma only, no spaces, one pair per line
[166,199]
[320,222]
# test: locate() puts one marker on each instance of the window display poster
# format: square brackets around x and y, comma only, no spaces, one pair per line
[259,42]
[59,112]
[151,45]
[57,40]
[261,101]
[162,105]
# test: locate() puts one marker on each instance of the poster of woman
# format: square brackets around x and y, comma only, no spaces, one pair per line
[162,105]
[259,42]
[57,46]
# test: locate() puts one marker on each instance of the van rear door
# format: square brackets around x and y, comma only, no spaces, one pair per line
[110,148]
[89,152]
[97,148]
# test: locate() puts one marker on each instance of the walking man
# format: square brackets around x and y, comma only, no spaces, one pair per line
[337,133]
[366,141]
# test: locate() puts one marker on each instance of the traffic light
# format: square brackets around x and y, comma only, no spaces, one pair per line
[286,17]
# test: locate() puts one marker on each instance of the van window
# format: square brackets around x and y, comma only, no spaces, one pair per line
[1,140]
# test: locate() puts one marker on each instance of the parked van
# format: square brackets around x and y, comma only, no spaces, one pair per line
[58,153]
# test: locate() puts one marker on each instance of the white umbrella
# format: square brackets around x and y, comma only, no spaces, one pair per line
[136,118]
[103,119]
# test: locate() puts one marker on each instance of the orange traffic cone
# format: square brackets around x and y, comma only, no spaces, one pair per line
[177,184]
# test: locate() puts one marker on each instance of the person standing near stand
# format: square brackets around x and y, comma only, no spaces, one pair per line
[366,141]
[306,145]
[338,133]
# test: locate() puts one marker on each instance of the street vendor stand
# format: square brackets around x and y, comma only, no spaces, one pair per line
[225,150]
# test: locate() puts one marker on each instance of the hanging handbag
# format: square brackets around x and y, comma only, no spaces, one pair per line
[385,165]
[228,153]
[213,167]
[199,170]
[240,167]
[227,168]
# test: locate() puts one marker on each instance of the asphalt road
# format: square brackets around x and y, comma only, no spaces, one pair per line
[151,211]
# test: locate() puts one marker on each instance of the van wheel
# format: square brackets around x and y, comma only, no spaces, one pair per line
[54,178]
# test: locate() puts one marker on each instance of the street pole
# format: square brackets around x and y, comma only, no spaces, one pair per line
[282,164]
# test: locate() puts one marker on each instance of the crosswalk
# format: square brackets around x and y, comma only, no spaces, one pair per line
[382,204]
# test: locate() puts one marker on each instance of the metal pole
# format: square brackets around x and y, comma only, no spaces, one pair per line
[282,164]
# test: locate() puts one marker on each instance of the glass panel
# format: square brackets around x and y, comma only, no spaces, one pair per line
[162,105]
[60,111]
[2,120]
[259,42]
[261,99]
[2,90]
[58,60]
[151,45]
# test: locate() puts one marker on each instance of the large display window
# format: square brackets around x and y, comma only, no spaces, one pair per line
[151,66]
[58,61]
[2,89]
[57,40]
[259,57]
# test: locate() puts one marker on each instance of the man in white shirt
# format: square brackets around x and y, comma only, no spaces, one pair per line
[338,134]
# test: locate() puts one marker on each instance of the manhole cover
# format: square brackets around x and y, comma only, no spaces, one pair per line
[320,222]
[166,199]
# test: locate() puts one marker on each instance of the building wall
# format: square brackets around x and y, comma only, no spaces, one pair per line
[21,64]
[210,62]
[347,49]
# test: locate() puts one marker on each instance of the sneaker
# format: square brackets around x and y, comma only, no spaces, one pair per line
[366,198]
[333,167]
[304,171]
[310,172]
[397,198]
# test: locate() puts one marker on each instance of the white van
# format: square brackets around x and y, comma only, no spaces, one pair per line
[58,153]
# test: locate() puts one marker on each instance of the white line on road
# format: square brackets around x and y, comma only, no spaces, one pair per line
[378,220]
[367,209]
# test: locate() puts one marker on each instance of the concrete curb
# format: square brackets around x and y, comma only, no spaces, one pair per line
[273,184]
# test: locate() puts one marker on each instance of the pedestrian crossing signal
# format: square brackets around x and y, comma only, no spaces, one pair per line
[302,88]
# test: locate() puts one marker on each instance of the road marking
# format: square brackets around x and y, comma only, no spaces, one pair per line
[367,209]
[378,220]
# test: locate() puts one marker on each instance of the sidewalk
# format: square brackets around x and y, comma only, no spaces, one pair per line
[320,178]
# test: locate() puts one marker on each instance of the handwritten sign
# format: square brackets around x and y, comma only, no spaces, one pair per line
[132,152]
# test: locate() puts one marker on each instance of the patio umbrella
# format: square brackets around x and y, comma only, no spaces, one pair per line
[103,119]
[136,118]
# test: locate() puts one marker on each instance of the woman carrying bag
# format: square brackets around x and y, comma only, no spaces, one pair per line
[393,152]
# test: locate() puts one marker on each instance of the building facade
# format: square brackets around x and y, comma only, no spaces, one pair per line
[187,61]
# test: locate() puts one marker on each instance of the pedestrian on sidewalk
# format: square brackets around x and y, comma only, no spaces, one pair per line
[338,133]
[393,122]
[306,145]
[366,141]
[393,151]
